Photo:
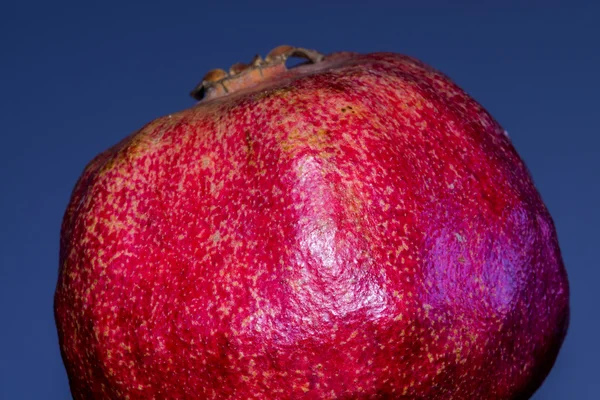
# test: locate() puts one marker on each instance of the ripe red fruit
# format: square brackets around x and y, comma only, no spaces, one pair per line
[354,227]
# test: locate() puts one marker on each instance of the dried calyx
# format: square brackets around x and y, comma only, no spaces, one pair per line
[219,82]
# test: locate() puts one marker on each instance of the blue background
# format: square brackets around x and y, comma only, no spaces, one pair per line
[77,77]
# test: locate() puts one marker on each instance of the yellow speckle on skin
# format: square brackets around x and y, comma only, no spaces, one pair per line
[215,237]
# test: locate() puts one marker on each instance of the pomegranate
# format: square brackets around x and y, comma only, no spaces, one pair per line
[353,227]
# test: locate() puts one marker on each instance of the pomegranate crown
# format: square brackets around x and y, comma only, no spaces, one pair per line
[218,82]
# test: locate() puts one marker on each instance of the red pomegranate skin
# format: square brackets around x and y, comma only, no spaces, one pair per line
[359,228]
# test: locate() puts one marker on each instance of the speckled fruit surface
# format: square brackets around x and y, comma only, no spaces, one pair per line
[354,228]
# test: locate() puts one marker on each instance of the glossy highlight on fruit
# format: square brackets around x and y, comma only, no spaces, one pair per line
[354,227]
